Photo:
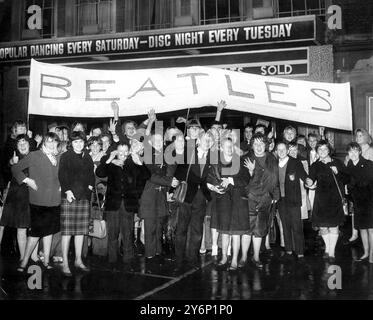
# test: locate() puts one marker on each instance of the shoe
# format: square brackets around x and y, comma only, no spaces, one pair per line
[241,264]
[82,267]
[66,272]
[232,268]
[21,269]
[215,259]
[331,259]
[362,259]
[47,266]
[325,256]
[256,263]
[202,251]
[222,266]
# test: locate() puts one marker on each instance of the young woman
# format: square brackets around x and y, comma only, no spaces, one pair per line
[363,138]
[360,186]
[228,180]
[44,195]
[263,190]
[328,210]
[77,181]
[16,211]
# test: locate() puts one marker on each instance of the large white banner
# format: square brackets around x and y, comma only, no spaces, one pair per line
[73,92]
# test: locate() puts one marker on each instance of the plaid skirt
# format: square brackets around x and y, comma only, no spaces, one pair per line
[74,217]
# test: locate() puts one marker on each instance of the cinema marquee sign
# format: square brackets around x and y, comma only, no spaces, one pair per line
[297,29]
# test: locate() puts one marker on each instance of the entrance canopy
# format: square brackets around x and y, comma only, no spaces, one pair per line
[72,92]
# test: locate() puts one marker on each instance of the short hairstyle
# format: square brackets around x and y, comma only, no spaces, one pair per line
[312,135]
[292,144]
[124,143]
[127,122]
[75,123]
[324,143]
[282,142]
[290,128]
[259,136]
[261,126]
[78,135]
[353,146]
[18,123]
[248,125]
[364,133]
[23,137]
[107,135]
[50,136]
[92,140]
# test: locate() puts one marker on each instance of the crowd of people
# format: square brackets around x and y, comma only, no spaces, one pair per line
[192,191]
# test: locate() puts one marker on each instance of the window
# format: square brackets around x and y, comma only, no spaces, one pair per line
[38,19]
[220,11]
[289,8]
[153,14]
[95,16]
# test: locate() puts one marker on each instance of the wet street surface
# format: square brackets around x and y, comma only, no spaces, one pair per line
[280,278]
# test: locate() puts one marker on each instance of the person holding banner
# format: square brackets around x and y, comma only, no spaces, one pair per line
[77,180]
[328,213]
[44,195]
[262,192]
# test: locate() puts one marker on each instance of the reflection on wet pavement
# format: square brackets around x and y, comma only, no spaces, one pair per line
[280,278]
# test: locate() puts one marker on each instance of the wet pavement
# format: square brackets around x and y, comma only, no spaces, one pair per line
[280,278]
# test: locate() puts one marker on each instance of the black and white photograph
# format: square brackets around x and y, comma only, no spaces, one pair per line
[186,155]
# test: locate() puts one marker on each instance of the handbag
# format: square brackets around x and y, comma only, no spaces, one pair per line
[181,189]
[98,226]
[343,199]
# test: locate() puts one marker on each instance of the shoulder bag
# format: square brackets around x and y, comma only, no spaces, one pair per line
[181,189]
[343,199]
[98,227]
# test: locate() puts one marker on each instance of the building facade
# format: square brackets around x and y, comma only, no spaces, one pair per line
[317,40]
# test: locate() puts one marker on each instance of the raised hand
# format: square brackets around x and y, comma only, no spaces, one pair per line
[152,115]
[113,154]
[249,165]
[29,133]
[221,105]
[115,108]
[15,159]
[112,125]
[181,120]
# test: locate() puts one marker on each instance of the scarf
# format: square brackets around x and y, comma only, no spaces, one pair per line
[51,156]
[283,162]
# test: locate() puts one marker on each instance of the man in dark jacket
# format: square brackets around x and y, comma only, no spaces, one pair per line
[192,212]
[291,171]
[121,199]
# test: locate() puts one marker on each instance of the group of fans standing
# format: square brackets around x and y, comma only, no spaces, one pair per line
[232,191]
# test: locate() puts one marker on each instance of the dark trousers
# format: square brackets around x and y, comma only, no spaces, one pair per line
[153,230]
[293,227]
[120,221]
[190,216]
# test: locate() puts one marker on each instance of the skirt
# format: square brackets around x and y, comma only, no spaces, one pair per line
[74,217]
[259,215]
[44,220]
[16,210]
